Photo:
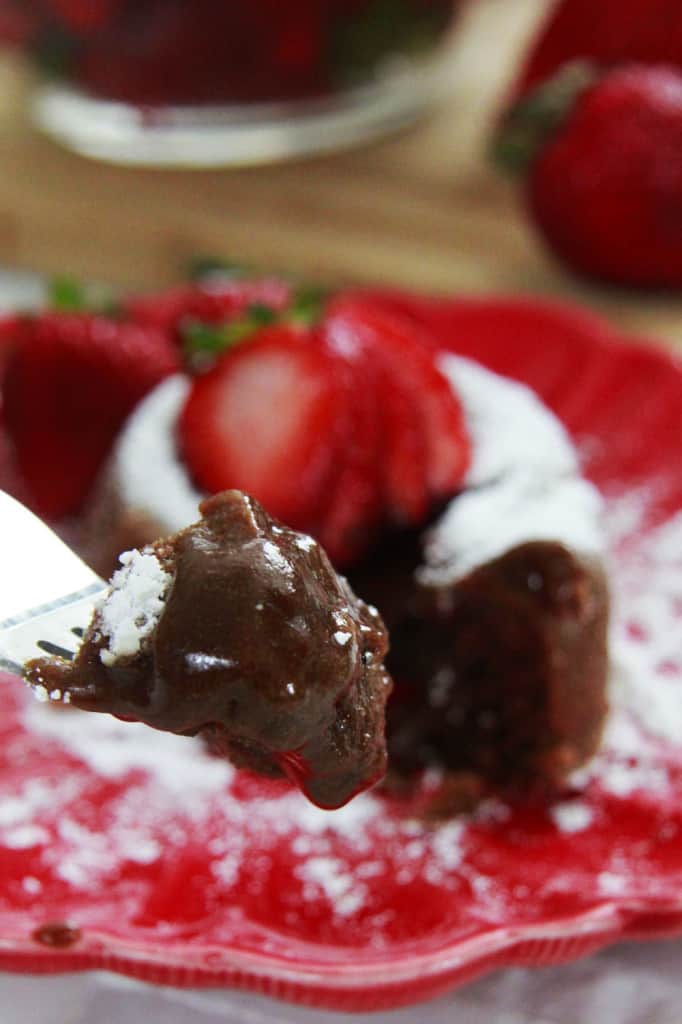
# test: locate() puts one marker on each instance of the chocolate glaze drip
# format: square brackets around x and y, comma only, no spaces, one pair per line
[57,935]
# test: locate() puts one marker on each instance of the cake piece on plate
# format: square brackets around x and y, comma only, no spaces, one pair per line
[498,612]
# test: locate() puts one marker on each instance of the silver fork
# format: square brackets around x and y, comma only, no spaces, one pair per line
[47,593]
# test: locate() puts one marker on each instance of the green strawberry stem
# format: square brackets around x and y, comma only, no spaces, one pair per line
[201,339]
[536,118]
[67,295]
[213,266]
[307,305]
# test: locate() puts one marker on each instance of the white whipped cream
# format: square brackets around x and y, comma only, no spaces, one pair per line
[523,484]
[145,468]
[510,427]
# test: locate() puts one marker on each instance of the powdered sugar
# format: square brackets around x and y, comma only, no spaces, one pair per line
[132,607]
[573,816]
[646,653]
[523,483]
[339,885]
[165,782]
[484,523]
[610,883]
[448,846]
[509,425]
[145,469]
[647,630]
[112,749]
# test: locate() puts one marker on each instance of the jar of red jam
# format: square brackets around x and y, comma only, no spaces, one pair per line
[219,81]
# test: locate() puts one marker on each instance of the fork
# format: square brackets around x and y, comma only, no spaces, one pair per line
[47,594]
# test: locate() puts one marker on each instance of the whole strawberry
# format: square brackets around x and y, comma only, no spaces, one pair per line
[83,16]
[70,381]
[603,165]
[606,33]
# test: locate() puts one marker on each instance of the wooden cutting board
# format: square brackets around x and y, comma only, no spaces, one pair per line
[423,209]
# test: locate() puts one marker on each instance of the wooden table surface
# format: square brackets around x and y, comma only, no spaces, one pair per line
[422,209]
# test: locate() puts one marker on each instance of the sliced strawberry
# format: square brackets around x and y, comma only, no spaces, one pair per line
[405,483]
[211,302]
[402,465]
[411,354]
[448,446]
[84,16]
[355,507]
[19,24]
[265,420]
[9,327]
[8,474]
[472,327]
[10,479]
[70,382]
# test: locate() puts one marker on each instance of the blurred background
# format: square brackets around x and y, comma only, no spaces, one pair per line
[422,207]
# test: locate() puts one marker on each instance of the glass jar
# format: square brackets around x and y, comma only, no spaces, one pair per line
[210,82]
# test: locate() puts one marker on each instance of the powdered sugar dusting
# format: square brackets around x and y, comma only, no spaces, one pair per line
[647,630]
[508,423]
[339,885]
[610,883]
[112,749]
[573,816]
[338,857]
[523,483]
[133,605]
[482,524]
[646,655]
[145,468]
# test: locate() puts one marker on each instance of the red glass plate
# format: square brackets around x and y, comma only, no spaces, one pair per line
[172,868]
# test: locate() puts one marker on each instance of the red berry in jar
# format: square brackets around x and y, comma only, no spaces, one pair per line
[187,52]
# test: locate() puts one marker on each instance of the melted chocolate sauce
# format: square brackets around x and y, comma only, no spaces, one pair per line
[260,648]
[57,935]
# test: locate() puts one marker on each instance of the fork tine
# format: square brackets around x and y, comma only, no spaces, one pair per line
[47,593]
[47,629]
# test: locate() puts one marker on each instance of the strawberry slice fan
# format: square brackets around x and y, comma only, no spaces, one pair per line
[367,432]
[144,855]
